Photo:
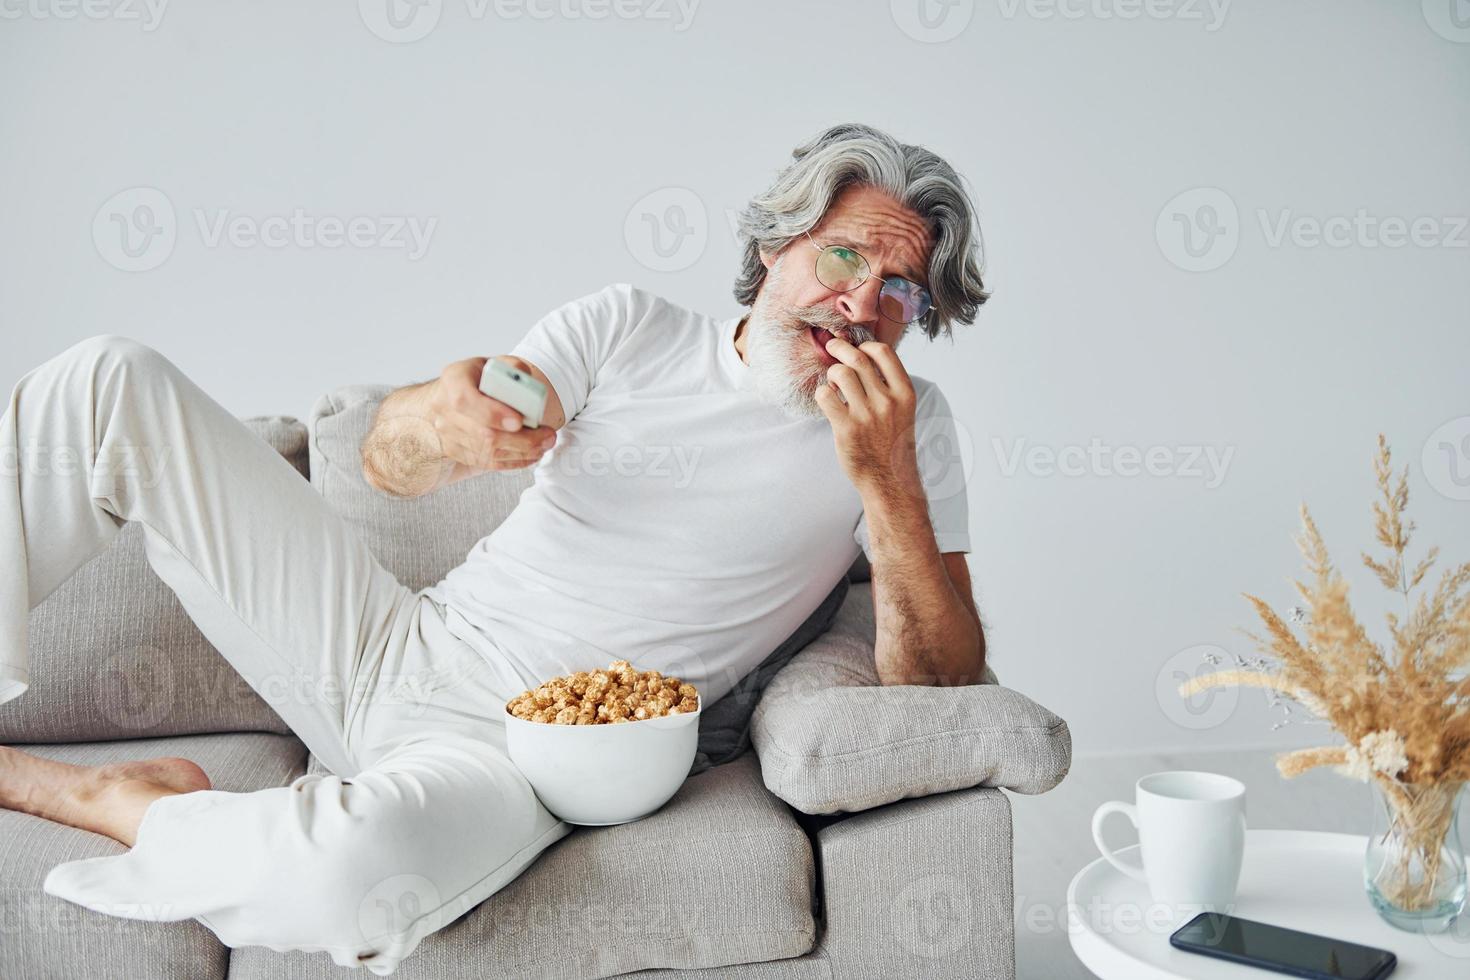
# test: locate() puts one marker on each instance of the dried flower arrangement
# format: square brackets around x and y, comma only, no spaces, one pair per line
[1406,719]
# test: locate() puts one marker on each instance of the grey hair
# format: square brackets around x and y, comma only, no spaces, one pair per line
[854,154]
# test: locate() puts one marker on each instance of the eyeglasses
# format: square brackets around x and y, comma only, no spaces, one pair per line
[843,269]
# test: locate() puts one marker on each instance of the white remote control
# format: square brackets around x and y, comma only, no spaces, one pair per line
[516,388]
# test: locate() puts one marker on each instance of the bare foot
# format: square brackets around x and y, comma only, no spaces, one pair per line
[108,799]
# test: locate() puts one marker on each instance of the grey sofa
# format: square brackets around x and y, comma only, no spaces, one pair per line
[866,834]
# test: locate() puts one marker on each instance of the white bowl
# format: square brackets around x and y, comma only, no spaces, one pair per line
[599,775]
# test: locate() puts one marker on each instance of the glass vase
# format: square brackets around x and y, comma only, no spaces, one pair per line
[1414,867]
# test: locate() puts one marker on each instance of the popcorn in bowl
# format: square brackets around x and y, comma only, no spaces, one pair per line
[603,697]
[607,746]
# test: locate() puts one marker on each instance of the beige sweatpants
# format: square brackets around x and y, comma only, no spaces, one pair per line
[424,816]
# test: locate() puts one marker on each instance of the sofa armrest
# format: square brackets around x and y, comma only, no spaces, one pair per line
[831,738]
[922,888]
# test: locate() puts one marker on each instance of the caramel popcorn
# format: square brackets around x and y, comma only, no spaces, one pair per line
[604,697]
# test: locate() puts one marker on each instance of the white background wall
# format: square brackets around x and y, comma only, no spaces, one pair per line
[532,141]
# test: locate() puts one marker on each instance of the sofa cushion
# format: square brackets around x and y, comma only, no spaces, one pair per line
[113,654]
[813,966]
[832,738]
[724,727]
[44,936]
[720,875]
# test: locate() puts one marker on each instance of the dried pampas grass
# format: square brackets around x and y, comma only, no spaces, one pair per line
[1405,715]
[1416,696]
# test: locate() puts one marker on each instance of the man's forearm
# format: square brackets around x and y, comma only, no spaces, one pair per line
[402,455]
[926,632]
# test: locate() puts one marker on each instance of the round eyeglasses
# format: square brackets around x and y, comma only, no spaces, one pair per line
[844,269]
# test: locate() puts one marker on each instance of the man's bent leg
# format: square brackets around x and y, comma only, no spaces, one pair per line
[361,868]
[111,431]
[436,821]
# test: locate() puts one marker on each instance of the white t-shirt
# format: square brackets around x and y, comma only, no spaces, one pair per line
[679,522]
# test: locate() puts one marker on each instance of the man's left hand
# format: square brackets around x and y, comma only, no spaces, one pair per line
[874,431]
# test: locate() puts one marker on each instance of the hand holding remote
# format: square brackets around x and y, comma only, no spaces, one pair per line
[479,432]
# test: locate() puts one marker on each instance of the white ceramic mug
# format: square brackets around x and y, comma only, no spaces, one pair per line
[1191,832]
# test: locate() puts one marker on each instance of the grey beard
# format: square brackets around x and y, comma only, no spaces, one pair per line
[785,369]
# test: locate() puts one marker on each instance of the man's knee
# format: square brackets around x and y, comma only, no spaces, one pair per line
[377,872]
[115,349]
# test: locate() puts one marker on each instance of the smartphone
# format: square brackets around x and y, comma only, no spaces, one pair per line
[1301,954]
[516,388]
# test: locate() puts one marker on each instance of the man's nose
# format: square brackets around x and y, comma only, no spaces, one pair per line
[860,305]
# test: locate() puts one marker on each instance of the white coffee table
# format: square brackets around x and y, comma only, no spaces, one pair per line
[1305,880]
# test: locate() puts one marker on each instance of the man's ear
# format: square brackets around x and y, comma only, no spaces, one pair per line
[767,259]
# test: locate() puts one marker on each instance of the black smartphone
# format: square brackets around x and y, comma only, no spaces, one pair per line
[1301,954]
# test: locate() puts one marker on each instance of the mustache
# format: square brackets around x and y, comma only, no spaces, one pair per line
[833,322]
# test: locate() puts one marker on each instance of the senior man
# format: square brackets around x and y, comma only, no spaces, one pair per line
[701,483]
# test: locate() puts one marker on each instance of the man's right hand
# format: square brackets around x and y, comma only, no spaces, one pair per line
[430,435]
[477,432]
